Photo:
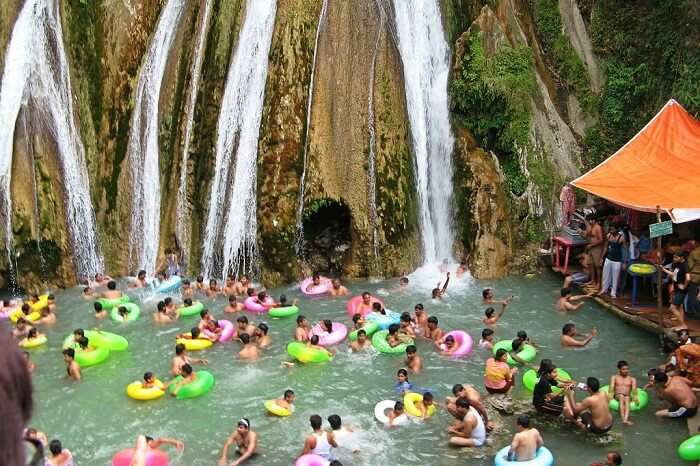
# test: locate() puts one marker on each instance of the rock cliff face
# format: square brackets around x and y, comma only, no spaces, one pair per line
[539,91]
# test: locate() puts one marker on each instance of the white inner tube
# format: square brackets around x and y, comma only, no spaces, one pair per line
[380,410]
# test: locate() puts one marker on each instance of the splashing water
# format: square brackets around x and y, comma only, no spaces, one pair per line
[229,239]
[182,223]
[426,63]
[302,182]
[37,70]
[143,152]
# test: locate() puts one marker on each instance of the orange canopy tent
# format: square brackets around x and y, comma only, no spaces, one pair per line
[659,166]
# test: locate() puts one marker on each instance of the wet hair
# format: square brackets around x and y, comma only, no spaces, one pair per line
[26,309]
[403,372]
[123,311]
[212,282]
[51,297]
[516,344]
[263,326]
[179,349]
[427,396]
[366,293]
[489,312]
[463,402]
[499,353]
[433,320]
[203,313]
[593,384]
[147,375]
[33,332]
[185,282]
[398,406]
[232,298]
[361,332]
[328,324]
[200,278]
[168,301]
[621,364]
[485,292]
[356,318]
[487,332]
[187,301]
[262,295]
[141,272]
[86,290]
[245,338]
[250,292]
[523,420]
[393,328]
[522,335]
[411,349]
[567,328]
[195,332]
[160,306]
[456,388]
[186,368]
[377,307]
[315,421]
[288,393]
[405,317]
[450,339]
[70,352]
[245,422]
[616,458]
[418,307]
[283,300]
[335,421]
[565,292]
[313,340]
[661,376]
[300,319]
[98,306]
[335,463]
[55,447]
[403,280]
[112,285]
[436,292]
[242,320]
[83,342]
[315,275]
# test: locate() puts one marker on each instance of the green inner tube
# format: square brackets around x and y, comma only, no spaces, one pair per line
[380,344]
[204,382]
[641,394]
[287,311]
[110,303]
[530,379]
[302,353]
[689,450]
[134,312]
[109,340]
[91,358]
[642,268]
[527,354]
[194,309]
[369,328]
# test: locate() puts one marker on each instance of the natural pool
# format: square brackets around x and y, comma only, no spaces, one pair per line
[95,418]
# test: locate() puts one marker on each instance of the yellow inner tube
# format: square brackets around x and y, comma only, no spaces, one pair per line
[136,391]
[31,317]
[195,345]
[33,342]
[277,410]
[642,268]
[41,304]
[410,400]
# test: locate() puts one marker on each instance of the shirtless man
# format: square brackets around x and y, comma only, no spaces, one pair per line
[472,395]
[337,289]
[186,290]
[488,298]
[624,389]
[21,329]
[469,430]
[72,367]
[566,301]
[250,351]
[421,319]
[161,316]
[526,442]
[101,280]
[89,293]
[406,326]
[112,292]
[486,341]
[315,282]
[434,333]
[47,317]
[361,343]
[260,336]
[241,285]
[365,305]
[392,338]
[462,269]
[243,326]
[413,361]
[246,442]
[199,284]
[150,444]
[188,376]
[677,391]
[594,249]
[100,312]
[303,330]
[593,413]
[140,281]
[490,316]
[233,305]
[181,358]
[568,334]
[229,286]
[438,292]
[213,289]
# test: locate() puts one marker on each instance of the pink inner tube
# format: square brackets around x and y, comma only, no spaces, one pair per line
[6,311]
[338,334]
[311,460]
[227,330]
[351,306]
[463,340]
[252,306]
[322,288]
[153,458]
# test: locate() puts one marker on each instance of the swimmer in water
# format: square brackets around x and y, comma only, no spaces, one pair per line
[395,413]
[568,334]
[186,290]
[246,442]
[365,305]
[287,401]
[188,376]
[435,333]
[406,326]
[213,289]
[486,341]
[488,298]
[123,313]
[421,319]
[149,381]
[566,301]
[315,283]
[337,289]
[448,346]
[243,326]
[462,269]
[140,281]
[89,293]
[438,292]
[112,292]
[48,317]
[100,312]
[33,334]
[230,286]
[392,338]
[199,284]
[413,361]
[233,305]
[250,351]
[21,329]
[402,384]
[425,404]
[303,330]
[161,316]
[490,316]
[319,443]
[181,358]
[358,321]
[72,367]
[361,343]
[526,442]
[241,285]
[313,343]
[260,336]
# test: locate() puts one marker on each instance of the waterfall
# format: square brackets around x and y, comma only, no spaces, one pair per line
[302,182]
[142,151]
[426,63]
[229,238]
[182,220]
[37,71]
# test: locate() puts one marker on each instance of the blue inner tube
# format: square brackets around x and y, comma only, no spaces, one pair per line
[544,458]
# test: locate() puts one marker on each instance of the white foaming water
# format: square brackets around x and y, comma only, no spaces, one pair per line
[37,69]
[426,64]
[426,277]
[229,238]
[182,223]
[143,151]
[302,182]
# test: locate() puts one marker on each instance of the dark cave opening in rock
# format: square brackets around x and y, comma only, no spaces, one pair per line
[327,235]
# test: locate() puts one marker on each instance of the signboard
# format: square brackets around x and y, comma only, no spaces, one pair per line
[660,229]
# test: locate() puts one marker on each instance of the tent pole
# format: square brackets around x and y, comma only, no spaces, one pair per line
[659,286]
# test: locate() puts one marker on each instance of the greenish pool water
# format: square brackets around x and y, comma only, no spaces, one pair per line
[95,418]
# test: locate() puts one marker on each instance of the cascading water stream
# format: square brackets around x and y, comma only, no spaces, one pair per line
[302,182]
[426,62]
[143,151]
[182,220]
[37,79]
[230,234]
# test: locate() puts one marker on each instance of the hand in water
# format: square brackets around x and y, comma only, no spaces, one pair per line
[180,446]
[594,332]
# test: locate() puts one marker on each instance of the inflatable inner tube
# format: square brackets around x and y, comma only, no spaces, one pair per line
[171,284]
[31,317]
[251,305]
[197,344]
[544,458]
[277,410]
[132,308]
[380,410]
[203,383]
[463,341]
[109,340]
[351,305]
[227,330]
[642,268]
[369,328]
[338,334]
[384,320]
[642,395]
[530,379]
[33,342]
[40,304]
[322,288]
[302,353]
[527,353]
[136,391]
[410,400]
[92,357]
[192,310]
[380,344]
[311,460]
[286,311]
[110,303]
[689,450]
[153,458]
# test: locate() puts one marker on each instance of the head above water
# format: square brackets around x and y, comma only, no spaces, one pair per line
[335,421]
[111,285]
[313,340]
[565,292]
[245,338]
[523,421]
[486,333]
[568,329]
[489,312]
[315,421]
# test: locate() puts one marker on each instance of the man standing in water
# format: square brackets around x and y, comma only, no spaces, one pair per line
[435,333]
[526,442]
[413,361]
[489,298]
[568,332]
[593,413]
[112,291]
[181,358]
[337,289]
[246,442]
[361,343]
[72,367]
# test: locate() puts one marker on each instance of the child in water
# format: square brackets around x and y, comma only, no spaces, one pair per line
[402,384]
